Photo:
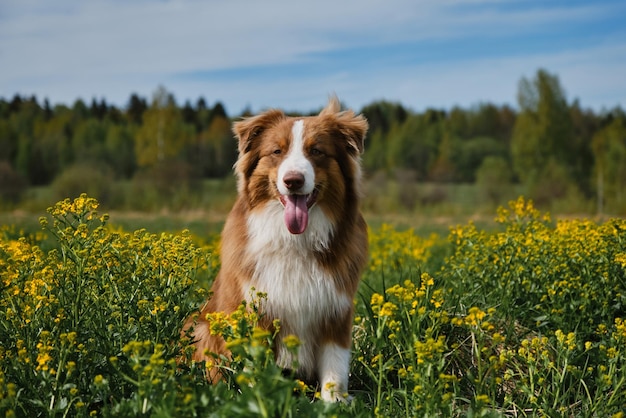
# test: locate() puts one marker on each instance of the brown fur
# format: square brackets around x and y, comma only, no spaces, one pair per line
[339,137]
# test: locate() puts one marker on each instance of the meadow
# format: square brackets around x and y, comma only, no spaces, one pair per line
[523,317]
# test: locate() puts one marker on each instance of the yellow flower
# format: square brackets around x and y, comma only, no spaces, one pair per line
[388,309]
[43,357]
[291,342]
[377,300]
[260,333]
[474,317]
[571,341]
[427,280]
[430,349]
[497,338]
[448,377]
[300,386]
[236,342]
[376,359]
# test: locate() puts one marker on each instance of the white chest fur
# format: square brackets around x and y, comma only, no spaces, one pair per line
[299,291]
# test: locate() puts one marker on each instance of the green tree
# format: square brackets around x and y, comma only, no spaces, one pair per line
[80,111]
[119,148]
[491,121]
[189,114]
[88,141]
[383,115]
[444,169]
[203,115]
[215,150]
[543,130]
[473,151]
[416,144]
[585,124]
[609,151]
[8,141]
[375,157]
[23,115]
[163,134]
[135,109]
[50,151]
[12,185]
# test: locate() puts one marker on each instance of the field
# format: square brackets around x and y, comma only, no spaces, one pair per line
[519,316]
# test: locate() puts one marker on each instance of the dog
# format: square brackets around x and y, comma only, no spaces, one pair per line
[295,233]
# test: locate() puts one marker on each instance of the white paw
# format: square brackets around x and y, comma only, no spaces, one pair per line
[333,392]
[334,363]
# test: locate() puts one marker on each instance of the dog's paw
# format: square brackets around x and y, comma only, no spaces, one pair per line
[332,392]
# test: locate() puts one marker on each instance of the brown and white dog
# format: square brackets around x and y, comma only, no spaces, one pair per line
[296,234]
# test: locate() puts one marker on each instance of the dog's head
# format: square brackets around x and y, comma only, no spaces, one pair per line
[301,162]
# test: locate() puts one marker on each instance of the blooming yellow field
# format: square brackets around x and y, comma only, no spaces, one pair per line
[528,319]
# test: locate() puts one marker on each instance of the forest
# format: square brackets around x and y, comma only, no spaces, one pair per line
[546,147]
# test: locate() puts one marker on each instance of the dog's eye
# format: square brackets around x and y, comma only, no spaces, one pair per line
[315,152]
[278,151]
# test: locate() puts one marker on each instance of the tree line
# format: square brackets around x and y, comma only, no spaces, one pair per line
[551,146]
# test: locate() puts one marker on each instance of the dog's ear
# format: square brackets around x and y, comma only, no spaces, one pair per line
[250,128]
[354,128]
[333,107]
[351,126]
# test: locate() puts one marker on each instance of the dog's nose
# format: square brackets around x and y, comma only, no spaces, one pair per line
[293,180]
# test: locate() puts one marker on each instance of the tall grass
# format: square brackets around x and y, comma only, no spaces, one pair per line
[523,319]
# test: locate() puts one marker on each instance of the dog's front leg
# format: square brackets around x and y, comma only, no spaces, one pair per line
[333,370]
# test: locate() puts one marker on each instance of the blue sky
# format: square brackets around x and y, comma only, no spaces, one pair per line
[293,54]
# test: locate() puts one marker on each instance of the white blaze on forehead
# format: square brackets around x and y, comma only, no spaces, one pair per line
[297,162]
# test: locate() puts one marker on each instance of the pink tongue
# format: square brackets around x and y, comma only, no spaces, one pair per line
[296,213]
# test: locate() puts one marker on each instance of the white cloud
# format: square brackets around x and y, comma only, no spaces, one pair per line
[67,49]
